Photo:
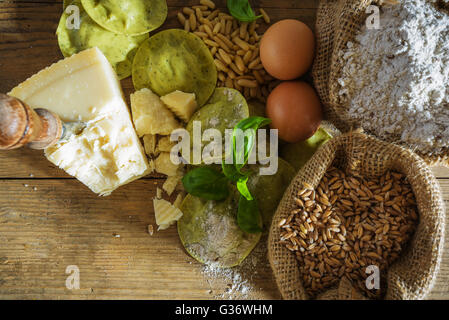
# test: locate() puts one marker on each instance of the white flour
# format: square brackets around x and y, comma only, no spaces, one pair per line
[240,280]
[396,79]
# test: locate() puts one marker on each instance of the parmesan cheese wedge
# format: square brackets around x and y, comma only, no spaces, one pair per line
[170,184]
[164,165]
[180,103]
[166,214]
[164,145]
[108,153]
[179,199]
[150,115]
[149,141]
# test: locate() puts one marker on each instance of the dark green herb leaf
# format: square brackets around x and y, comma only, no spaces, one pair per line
[251,124]
[231,172]
[241,10]
[206,183]
[248,216]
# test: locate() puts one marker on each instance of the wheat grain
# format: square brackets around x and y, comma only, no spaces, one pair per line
[347,223]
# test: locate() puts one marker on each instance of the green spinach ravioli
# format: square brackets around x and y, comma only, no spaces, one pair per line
[128,17]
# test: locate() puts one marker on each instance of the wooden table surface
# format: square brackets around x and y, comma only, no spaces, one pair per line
[49,221]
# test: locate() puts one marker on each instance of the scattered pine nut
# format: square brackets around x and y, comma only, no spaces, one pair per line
[187,26]
[265,16]
[210,4]
[234,46]
[181,18]
[247,83]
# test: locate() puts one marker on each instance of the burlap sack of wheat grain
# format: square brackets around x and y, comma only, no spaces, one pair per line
[413,274]
[338,21]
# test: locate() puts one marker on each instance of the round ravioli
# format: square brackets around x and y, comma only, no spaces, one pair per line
[128,17]
[224,110]
[269,189]
[209,231]
[118,49]
[175,60]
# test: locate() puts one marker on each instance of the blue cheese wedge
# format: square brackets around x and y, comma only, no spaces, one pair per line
[84,87]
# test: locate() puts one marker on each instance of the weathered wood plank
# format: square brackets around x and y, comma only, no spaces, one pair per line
[62,223]
[441,172]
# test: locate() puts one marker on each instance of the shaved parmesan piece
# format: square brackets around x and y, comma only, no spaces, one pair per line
[150,115]
[164,145]
[180,103]
[179,199]
[170,184]
[165,166]
[158,193]
[166,214]
[149,142]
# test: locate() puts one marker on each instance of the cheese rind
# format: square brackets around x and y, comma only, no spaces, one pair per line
[108,153]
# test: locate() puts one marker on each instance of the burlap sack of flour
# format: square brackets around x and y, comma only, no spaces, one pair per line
[413,274]
[338,21]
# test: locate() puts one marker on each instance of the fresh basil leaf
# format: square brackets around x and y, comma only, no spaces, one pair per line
[241,10]
[248,216]
[206,183]
[251,124]
[231,172]
[242,186]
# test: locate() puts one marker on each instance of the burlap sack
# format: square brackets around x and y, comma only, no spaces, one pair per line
[338,21]
[413,274]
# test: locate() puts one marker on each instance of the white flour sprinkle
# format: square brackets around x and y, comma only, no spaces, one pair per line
[396,79]
[240,279]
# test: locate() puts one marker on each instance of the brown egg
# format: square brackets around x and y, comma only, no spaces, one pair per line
[287,49]
[295,110]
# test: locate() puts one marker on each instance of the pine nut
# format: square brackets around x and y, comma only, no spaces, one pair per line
[265,16]
[181,18]
[187,26]
[208,3]
[220,65]
[247,83]
[192,20]
[226,58]
[187,11]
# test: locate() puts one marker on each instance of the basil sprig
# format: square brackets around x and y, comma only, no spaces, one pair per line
[241,10]
[210,184]
[206,183]
[250,125]
[248,216]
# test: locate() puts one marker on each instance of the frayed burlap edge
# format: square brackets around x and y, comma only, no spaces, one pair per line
[338,21]
[412,275]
